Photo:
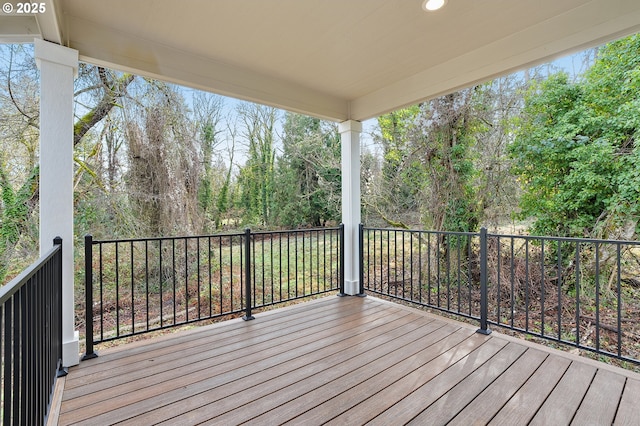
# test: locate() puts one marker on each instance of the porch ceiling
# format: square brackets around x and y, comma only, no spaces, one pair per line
[333,59]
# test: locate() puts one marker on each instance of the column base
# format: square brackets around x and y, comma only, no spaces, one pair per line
[351,288]
[71,351]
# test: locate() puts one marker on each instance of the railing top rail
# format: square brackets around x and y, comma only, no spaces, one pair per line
[524,237]
[465,234]
[180,237]
[566,239]
[296,231]
[15,284]
[221,235]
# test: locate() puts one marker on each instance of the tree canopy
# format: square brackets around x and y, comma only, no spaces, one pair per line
[576,153]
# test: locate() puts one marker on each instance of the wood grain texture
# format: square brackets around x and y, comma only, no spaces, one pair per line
[342,361]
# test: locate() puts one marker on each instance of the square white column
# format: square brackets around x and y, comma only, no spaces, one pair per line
[58,68]
[350,140]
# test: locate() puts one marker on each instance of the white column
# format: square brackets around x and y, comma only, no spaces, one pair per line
[58,67]
[350,139]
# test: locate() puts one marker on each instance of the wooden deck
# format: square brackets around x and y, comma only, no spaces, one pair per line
[345,361]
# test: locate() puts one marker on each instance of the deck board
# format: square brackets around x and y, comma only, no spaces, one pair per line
[565,399]
[343,361]
[486,405]
[628,410]
[601,402]
[526,402]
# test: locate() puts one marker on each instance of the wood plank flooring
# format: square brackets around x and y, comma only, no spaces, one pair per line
[344,361]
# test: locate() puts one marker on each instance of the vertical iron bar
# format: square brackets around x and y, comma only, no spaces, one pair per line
[542,289]
[186,279]
[254,264]
[198,273]
[146,281]
[231,274]
[513,272]
[619,295]
[2,373]
[395,262]
[160,282]
[27,340]
[8,361]
[484,326]
[429,268]
[559,290]
[210,274]
[101,266]
[469,257]
[88,297]
[271,263]
[174,272]
[289,265]
[459,270]
[361,260]
[247,270]
[420,267]
[577,294]
[324,260]
[117,292]
[331,252]
[381,259]
[438,275]
[243,264]
[499,284]
[526,284]
[280,267]
[16,356]
[448,248]
[597,296]
[388,261]
[403,233]
[220,268]
[341,245]
[411,265]
[369,261]
[133,306]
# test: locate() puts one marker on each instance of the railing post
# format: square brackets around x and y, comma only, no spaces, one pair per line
[361,261]
[88,298]
[247,275]
[341,293]
[57,306]
[484,309]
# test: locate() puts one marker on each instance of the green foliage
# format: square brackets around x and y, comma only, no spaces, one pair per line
[449,127]
[15,214]
[576,151]
[256,178]
[402,174]
[307,181]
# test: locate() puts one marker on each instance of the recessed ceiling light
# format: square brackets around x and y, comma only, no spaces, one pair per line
[431,5]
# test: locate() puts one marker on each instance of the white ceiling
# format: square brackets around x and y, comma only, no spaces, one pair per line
[335,59]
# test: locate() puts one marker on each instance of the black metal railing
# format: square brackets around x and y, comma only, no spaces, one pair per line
[136,286]
[579,292]
[31,352]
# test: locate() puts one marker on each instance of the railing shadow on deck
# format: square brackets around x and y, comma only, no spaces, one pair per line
[572,291]
[31,351]
[136,286]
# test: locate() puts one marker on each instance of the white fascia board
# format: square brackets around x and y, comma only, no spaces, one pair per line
[49,22]
[587,26]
